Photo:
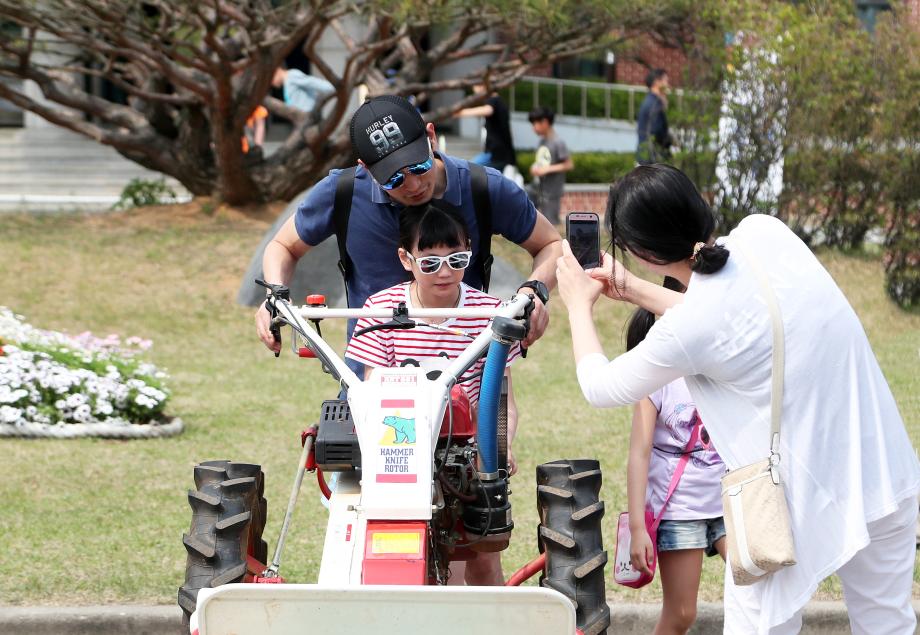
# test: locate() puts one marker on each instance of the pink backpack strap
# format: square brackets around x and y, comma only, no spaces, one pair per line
[681,465]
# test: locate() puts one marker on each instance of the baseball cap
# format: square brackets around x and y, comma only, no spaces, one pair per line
[388,134]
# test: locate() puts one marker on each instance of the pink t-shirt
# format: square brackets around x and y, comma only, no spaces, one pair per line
[698,494]
[424,346]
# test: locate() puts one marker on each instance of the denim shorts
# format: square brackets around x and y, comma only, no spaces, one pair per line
[690,534]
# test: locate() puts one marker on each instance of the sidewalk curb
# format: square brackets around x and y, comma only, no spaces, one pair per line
[91,620]
[821,618]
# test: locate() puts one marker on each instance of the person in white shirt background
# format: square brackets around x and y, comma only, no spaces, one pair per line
[850,473]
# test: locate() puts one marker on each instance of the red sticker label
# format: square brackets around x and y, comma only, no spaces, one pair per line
[397,478]
[397,403]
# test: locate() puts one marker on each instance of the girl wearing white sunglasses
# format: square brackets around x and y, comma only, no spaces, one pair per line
[435,251]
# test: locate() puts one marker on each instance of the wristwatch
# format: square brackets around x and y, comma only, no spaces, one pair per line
[539,290]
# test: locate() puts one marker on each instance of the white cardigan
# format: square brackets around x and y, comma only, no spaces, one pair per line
[846,456]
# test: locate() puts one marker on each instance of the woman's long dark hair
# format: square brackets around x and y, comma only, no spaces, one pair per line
[656,213]
[641,321]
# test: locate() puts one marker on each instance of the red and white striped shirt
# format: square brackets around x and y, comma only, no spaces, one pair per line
[428,347]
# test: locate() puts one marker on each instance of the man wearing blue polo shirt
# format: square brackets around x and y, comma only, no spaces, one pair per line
[399,165]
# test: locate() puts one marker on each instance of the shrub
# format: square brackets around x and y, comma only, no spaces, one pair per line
[590,167]
[897,124]
[55,379]
[902,257]
[833,194]
[142,192]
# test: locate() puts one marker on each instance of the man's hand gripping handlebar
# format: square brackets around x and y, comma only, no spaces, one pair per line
[281,292]
[278,311]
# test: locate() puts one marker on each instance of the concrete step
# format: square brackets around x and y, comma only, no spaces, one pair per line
[55,205]
[27,142]
[68,181]
[13,170]
[43,183]
[51,169]
[64,202]
[462,147]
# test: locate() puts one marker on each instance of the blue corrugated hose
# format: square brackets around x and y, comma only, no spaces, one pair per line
[489,395]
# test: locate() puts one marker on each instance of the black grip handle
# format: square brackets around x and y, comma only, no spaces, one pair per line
[275,330]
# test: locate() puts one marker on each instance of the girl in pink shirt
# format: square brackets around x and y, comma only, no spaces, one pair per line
[691,522]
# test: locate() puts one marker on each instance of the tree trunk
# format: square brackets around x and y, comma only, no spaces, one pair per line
[291,170]
[193,72]
[195,173]
[234,184]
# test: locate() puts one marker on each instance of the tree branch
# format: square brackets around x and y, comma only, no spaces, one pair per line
[137,140]
[128,87]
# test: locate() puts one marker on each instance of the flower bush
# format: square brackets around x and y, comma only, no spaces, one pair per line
[54,378]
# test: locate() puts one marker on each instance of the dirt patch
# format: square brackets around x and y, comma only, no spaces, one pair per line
[199,212]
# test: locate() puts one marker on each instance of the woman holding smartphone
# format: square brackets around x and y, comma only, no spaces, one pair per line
[582,229]
[850,473]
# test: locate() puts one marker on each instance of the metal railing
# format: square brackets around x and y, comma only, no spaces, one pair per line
[562,92]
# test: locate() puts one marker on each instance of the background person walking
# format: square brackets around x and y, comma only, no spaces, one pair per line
[655,139]
[551,163]
[499,147]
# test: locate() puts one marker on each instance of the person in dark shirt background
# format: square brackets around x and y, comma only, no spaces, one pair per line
[499,148]
[655,140]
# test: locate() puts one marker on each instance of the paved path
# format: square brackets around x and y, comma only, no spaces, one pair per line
[821,618]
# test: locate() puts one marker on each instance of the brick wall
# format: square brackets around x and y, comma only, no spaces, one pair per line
[649,54]
[913,12]
[541,71]
[584,199]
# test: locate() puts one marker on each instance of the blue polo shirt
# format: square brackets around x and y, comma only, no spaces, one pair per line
[373,228]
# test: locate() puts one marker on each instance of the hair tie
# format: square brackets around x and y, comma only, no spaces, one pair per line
[696,250]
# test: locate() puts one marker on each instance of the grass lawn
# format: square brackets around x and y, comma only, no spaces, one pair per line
[97,521]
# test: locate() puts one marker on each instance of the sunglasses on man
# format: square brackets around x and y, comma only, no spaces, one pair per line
[432,264]
[418,169]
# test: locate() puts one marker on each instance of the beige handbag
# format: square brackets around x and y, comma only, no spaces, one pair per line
[753,499]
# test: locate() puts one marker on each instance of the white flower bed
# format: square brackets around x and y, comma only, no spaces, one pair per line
[54,380]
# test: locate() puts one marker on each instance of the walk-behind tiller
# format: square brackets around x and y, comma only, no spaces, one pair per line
[419,486]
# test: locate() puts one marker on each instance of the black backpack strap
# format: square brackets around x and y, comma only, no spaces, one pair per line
[482,203]
[341,210]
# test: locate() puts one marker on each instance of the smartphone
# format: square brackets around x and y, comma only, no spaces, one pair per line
[582,229]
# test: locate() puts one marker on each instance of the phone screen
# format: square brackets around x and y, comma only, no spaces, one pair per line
[583,234]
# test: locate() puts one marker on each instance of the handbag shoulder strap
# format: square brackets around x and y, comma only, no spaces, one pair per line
[681,465]
[779,354]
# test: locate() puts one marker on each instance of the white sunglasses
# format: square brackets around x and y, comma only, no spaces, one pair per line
[432,264]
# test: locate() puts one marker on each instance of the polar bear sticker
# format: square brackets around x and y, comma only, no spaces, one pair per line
[404,428]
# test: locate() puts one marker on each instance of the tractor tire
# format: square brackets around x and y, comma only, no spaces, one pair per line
[228,518]
[570,535]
